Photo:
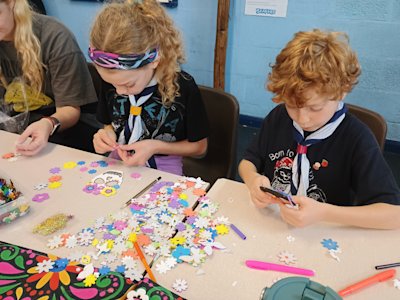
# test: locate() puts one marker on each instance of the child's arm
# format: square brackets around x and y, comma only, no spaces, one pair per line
[377,215]
[144,149]
[253,180]
[40,131]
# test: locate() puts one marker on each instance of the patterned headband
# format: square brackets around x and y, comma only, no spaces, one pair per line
[122,61]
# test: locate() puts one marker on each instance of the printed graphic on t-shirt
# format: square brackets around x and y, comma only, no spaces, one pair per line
[24,98]
[282,178]
[158,122]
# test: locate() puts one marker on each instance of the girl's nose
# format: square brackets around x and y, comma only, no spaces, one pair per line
[121,90]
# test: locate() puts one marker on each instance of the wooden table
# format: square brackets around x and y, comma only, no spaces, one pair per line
[227,277]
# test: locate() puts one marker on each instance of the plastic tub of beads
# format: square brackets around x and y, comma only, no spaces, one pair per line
[12,203]
[13,209]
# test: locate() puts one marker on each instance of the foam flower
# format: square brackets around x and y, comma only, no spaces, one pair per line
[40,197]
[108,191]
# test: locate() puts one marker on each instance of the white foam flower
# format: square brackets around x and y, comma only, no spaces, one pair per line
[287,257]
[129,262]
[134,275]
[180,285]
[45,266]
[55,242]
[162,267]
[396,283]
[71,242]
[137,294]
[201,222]
[150,250]
[171,262]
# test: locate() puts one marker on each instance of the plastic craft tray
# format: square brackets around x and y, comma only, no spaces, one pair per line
[13,209]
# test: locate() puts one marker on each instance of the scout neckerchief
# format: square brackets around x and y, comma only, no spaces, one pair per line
[301,164]
[133,128]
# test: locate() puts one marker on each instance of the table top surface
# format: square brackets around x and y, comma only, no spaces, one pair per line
[70,199]
[225,275]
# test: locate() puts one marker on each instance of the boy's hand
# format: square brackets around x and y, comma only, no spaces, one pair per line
[104,141]
[138,153]
[307,212]
[39,133]
[260,198]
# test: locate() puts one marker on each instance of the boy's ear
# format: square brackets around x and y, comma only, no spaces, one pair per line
[343,96]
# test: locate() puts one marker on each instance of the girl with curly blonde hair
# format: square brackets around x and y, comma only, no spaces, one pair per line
[152,111]
[311,149]
[43,71]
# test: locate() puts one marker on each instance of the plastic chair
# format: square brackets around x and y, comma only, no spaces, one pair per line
[220,161]
[373,120]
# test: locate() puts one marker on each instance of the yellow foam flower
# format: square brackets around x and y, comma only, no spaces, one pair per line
[70,165]
[54,185]
[108,191]
[222,229]
[90,280]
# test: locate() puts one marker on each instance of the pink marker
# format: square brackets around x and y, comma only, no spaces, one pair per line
[260,265]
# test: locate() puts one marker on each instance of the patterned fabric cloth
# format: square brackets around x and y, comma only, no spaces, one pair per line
[122,61]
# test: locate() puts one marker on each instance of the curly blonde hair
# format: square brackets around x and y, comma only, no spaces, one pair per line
[27,45]
[314,59]
[133,27]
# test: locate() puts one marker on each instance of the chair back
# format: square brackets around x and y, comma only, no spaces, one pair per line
[373,120]
[220,161]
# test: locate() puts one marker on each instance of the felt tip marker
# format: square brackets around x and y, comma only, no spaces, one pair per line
[266,266]
[382,276]
[238,232]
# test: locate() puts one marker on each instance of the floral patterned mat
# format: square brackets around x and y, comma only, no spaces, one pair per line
[21,278]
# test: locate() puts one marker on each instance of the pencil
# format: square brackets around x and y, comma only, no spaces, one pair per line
[144,262]
[381,267]
[142,191]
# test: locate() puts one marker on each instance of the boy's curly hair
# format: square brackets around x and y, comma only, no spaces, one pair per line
[314,59]
[128,27]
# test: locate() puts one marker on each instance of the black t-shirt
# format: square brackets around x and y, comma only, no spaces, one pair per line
[185,119]
[353,170]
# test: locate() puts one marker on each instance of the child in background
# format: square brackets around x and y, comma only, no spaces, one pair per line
[154,113]
[55,79]
[312,148]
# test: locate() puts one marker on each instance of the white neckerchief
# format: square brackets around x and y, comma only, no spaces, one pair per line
[301,162]
[134,122]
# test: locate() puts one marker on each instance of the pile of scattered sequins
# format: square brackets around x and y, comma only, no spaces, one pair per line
[164,225]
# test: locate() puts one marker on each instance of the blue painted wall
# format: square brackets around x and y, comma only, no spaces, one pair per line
[254,42]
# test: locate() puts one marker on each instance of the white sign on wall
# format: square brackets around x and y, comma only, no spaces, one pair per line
[266,8]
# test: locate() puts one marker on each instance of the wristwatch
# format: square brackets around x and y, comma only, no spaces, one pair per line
[56,124]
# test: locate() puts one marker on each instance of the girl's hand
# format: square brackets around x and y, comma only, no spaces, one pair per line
[138,153]
[105,140]
[39,133]
[260,198]
[307,212]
